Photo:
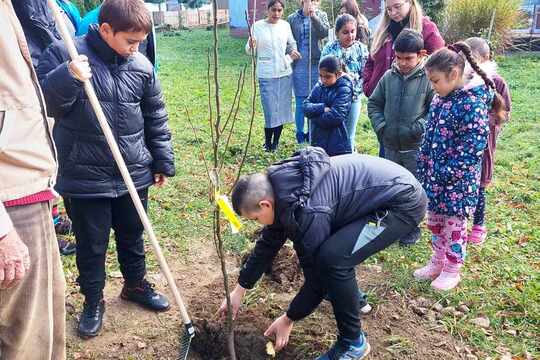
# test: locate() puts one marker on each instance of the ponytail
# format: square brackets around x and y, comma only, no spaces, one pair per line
[446,59]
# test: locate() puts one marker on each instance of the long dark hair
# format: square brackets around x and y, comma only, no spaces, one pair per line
[448,58]
[362,27]
[273,2]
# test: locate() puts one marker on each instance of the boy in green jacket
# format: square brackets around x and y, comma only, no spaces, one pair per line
[398,106]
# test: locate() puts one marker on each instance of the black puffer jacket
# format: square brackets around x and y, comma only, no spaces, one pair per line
[38,25]
[132,100]
[328,129]
[315,195]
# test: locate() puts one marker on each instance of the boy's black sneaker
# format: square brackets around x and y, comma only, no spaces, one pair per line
[145,295]
[63,225]
[411,238]
[91,320]
[66,247]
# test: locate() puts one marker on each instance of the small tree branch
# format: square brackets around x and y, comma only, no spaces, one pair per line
[237,96]
[253,102]
[235,117]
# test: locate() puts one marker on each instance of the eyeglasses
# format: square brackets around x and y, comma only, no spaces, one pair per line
[396,7]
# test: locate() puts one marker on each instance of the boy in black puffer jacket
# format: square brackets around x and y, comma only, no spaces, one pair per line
[328,107]
[88,176]
[337,211]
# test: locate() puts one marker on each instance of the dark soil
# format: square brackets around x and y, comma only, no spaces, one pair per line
[394,331]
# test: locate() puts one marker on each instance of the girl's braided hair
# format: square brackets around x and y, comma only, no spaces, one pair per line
[446,59]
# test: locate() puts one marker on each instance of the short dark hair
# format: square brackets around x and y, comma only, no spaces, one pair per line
[331,64]
[274,2]
[249,190]
[409,41]
[126,15]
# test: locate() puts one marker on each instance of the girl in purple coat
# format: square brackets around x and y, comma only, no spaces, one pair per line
[450,158]
[482,54]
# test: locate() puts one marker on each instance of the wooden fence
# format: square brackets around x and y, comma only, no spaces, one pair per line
[190,18]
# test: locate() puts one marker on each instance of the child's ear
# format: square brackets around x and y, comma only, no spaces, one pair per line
[265,204]
[106,29]
[454,74]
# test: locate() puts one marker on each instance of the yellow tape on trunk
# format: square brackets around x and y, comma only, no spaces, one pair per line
[227,210]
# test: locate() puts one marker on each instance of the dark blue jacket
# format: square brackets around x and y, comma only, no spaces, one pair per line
[132,100]
[328,129]
[38,25]
[315,195]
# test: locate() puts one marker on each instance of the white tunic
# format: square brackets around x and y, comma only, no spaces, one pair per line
[273,43]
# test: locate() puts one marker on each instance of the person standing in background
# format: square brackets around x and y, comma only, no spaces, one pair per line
[363,34]
[307,24]
[276,50]
[398,15]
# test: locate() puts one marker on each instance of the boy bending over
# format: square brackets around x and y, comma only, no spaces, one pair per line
[338,212]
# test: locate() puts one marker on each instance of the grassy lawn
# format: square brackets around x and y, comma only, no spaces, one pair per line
[501,279]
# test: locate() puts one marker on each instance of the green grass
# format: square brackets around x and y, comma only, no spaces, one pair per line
[501,279]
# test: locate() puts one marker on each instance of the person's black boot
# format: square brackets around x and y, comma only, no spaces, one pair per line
[91,319]
[145,295]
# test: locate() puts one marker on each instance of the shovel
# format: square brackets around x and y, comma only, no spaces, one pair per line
[189,333]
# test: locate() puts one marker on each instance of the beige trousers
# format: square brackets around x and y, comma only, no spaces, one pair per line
[32,314]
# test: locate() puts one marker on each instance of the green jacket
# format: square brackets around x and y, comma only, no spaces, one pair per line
[398,107]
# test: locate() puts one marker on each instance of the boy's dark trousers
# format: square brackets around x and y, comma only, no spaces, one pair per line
[407,159]
[92,222]
[334,270]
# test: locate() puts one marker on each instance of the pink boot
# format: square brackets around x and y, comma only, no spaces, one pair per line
[478,235]
[448,278]
[430,271]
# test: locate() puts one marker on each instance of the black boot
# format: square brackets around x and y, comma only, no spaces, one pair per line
[91,319]
[277,134]
[145,295]
[268,132]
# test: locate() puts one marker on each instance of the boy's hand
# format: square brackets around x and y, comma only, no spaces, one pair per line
[160,180]
[14,260]
[327,109]
[295,55]
[236,300]
[79,68]
[281,328]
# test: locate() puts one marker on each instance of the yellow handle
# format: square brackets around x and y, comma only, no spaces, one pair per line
[227,210]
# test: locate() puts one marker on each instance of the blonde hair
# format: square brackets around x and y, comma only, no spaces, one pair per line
[415,22]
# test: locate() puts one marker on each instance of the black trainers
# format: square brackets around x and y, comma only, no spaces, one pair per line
[91,319]
[66,247]
[411,238]
[145,295]
[62,225]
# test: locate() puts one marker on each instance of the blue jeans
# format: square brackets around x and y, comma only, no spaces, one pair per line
[301,136]
[351,122]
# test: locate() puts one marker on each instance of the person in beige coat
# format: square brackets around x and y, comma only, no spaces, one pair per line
[32,286]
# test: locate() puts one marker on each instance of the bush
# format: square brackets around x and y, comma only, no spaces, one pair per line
[466,18]
[86,5]
[434,9]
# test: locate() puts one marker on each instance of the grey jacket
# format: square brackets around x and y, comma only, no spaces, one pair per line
[398,107]
[319,30]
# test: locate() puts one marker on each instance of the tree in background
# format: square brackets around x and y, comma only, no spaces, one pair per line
[86,5]
[490,19]
[434,9]
[194,4]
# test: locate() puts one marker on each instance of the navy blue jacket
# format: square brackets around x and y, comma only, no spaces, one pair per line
[38,25]
[132,100]
[315,195]
[328,129]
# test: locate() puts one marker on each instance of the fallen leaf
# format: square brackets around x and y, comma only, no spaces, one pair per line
[270,351]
